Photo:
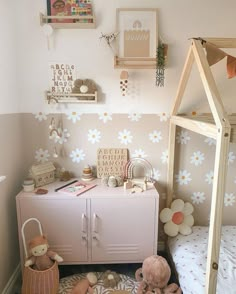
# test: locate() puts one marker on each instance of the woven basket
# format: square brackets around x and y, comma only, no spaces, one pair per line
[39,282]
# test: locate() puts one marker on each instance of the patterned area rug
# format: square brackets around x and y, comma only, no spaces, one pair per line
[126,284]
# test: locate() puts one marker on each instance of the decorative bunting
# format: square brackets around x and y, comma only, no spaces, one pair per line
[214,54]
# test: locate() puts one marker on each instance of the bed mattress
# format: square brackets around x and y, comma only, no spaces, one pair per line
[189,254]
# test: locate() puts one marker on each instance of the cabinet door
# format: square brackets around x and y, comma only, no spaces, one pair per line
[123,230]
[64,222]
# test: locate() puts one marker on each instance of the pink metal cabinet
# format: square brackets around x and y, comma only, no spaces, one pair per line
[124,233]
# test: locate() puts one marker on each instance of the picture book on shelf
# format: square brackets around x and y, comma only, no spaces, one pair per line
[66,8]
[76,188]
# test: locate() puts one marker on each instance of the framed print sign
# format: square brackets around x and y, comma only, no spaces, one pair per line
[138,32]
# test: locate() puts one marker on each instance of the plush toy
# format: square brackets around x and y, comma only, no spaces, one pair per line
[85,285]
[154,276]
[41,258]
[178,218]
[110,279]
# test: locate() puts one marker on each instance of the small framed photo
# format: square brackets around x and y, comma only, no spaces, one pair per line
[138,32]
[65,8]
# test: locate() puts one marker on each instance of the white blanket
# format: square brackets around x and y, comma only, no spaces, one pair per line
[190,254]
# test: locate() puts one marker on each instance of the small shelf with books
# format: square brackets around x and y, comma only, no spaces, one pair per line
[77,21]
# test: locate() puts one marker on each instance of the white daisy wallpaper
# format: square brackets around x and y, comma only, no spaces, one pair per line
[144,136]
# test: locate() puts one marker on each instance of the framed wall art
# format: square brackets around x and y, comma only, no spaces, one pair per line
[138,33]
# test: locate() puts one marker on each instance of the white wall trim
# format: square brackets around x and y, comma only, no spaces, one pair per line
[10,286]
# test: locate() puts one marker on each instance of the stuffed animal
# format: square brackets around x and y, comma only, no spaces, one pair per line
[110,279]
[41,258]
[154,276]
[85,285]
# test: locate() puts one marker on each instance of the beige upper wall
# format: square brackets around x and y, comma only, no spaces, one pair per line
[178,21]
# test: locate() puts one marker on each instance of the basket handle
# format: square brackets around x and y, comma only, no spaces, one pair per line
[23,234]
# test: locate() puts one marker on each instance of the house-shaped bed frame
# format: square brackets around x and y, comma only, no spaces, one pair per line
[217,125]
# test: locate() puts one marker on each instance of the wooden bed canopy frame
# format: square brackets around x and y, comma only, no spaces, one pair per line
[217,125]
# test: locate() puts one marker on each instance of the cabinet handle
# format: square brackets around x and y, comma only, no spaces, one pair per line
[84,240]
[84,223]
[95,223]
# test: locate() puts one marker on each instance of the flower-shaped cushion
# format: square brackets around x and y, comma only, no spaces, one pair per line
[178,218]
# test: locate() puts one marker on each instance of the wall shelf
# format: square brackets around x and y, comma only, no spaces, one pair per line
[79,22]
[138,62]
[70,98]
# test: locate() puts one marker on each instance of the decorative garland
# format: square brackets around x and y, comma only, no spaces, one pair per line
[160,66]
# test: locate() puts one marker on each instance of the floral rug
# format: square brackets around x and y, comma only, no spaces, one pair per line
[126,284]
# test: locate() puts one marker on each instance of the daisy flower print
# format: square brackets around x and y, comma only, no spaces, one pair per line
[125,137]
[41,155]
[77,155]
[183,177]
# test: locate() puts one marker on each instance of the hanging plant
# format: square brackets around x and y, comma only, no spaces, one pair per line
[160,64]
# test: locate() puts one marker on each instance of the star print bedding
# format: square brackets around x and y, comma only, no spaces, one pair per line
[189,254]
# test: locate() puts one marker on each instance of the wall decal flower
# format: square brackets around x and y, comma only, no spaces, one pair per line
[63,138]
[94,136]
[125,137]
[229,199]
[198,197]
[105,116]
[178,218]
[74,116]
[41,155]
[183,177]
[155,136]
[134,116]
[182,137]
[77,155]
[209,177]
[163,116]
[231,157]
[156,174]
[210,141]
[164,156]
[139,153]
[197,158]
[40,116]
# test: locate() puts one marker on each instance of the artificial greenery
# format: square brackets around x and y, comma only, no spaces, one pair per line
[160,65]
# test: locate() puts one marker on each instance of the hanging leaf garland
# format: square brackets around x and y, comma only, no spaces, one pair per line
[160,65]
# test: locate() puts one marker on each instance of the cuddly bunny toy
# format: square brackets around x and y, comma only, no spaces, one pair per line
[155,274]
[85,285]
[41,258]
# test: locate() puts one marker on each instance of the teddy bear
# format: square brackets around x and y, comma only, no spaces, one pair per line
[85,285]
[110,279]
[41,258]
[154,276]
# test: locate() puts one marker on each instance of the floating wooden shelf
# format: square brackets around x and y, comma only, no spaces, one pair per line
[137,62]
[71,98]
[79,21]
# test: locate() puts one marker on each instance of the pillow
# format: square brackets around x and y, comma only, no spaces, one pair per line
[178,218]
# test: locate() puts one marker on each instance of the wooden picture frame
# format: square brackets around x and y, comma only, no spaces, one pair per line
[138,33]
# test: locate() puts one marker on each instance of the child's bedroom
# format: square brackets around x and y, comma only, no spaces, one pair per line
[118,147]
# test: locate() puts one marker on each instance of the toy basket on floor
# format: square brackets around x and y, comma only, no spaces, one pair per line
[35,281]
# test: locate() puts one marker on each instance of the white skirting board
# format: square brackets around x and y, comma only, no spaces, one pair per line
[10,286]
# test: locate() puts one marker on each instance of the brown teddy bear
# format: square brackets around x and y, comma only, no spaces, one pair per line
[41,258]
[154,276]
